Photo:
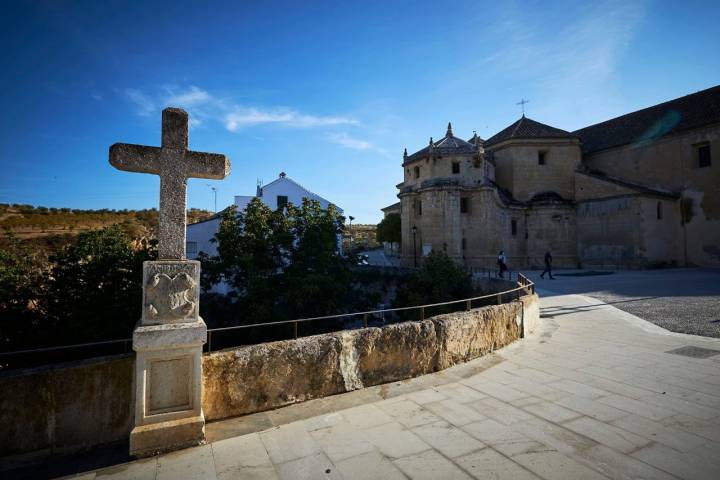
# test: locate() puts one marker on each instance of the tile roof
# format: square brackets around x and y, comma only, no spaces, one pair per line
[448,145]
[691,111]
[528,128]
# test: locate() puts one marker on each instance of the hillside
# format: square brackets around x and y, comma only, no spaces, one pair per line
[48,228]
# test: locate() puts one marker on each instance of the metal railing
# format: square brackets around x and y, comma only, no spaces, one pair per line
[524,284]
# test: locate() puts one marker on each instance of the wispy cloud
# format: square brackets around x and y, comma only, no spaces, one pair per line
[144,106]
[590,45]
[204,107]
[192,96]
[249,116]
[347,141]
[566,68]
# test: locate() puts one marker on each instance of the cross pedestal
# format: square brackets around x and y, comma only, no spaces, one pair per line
[170,335]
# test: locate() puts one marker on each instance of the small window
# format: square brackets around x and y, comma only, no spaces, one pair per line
[464,244]
[417,172]
[659,210]
[464,205]
[541,158]
[513,227]
[418,208]
[455,167]
[282,201]
[191,247]
[704,159]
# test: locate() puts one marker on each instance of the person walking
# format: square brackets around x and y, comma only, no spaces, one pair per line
[502,266]
[548,266]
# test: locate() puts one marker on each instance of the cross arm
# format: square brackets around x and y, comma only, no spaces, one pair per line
[208,165]
[135,158]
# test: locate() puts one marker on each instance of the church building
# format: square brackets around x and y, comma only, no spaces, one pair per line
[638,191]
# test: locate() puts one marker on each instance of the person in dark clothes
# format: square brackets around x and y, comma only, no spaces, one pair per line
[502,266]
[548,266]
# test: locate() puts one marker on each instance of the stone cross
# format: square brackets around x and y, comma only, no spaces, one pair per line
[175,164]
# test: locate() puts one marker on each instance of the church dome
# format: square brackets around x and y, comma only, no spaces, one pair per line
[448,145]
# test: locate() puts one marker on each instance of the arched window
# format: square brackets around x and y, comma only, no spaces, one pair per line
[659,210]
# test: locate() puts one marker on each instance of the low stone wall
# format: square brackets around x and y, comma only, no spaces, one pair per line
[66,407]
[72,406]
[250,379]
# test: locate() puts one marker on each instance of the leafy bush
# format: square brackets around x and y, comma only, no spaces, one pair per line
[439,279]
[95,285]
[21,287]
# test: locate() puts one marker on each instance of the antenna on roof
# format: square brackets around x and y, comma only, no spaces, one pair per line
[522,103]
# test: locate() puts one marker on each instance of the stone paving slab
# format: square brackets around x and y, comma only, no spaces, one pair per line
[591,395]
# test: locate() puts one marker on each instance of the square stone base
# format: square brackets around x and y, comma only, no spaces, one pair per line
[147,440]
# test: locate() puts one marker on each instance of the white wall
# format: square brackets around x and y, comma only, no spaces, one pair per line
[290,189]
[199,234]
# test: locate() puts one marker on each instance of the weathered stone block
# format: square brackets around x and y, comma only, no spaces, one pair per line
[146,440]
[155,337]
[171,291]
[463,336]
[168,383]
[395,352]
[259,377]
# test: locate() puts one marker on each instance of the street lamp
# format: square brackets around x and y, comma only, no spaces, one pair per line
[215,192]
[414,232]
[350,228]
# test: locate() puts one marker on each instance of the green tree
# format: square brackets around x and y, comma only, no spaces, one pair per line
[95,286]
[317,280]
[439,279]
[21,288]
[281,264]
[388,230]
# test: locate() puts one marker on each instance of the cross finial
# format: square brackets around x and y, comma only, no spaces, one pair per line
[449,130]
[522,103]
[174,163]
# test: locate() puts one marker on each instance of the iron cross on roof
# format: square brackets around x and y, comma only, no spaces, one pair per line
[522,103]
[175,164]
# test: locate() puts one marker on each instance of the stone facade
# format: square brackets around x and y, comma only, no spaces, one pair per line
[611,195]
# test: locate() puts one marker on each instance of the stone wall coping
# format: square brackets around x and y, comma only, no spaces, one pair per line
[172,335]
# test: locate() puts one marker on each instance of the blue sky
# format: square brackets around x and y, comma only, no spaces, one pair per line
[330,93]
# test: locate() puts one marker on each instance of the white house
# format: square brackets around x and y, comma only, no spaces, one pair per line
[275,194]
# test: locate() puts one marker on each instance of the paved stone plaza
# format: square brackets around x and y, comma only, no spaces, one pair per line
[595,393]
[681,300]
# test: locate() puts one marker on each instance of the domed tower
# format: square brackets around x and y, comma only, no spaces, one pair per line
[435,193]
